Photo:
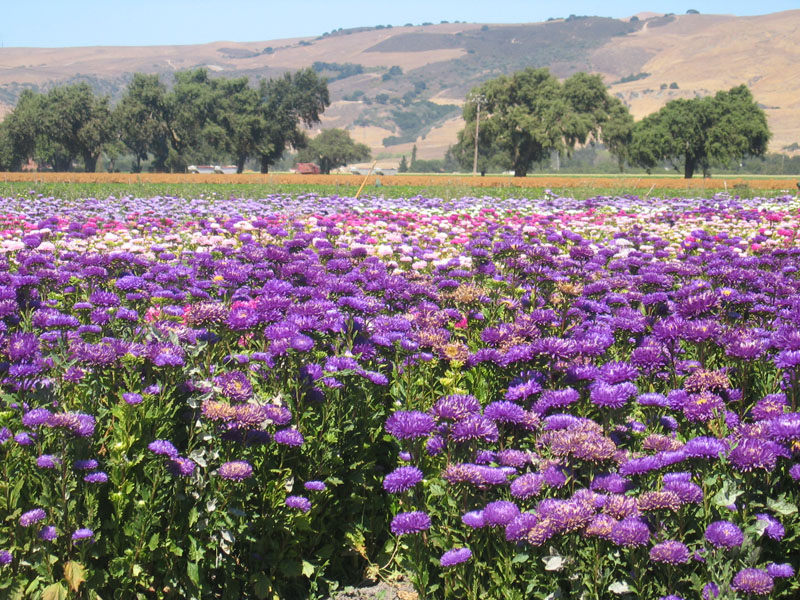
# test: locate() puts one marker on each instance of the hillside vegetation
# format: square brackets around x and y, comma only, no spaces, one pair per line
[393,87]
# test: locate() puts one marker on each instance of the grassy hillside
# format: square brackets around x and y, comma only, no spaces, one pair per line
[394,87]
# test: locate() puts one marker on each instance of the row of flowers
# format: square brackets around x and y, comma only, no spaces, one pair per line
[502,398]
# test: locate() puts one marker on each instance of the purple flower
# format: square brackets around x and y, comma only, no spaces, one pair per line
[315,486]
[504,411]
[527,485]
[455,556]
[500,513]
[165,355]
[236,470]
[48,461]
[86,465]
[671,552]
[555,399]
[163,447]
[521,391]
[780,570]
[81,535]
[753,581]
[612,396]
[300,503]
[23,438]
[755,453]
[518,529]
[31,517]
[289,437]
[132,398]
[409,424]
[455,407]
[724,534]
[181,467]
[630,532]
[5,558]
[704,447]
[23,347]
[774,529]
[96,477]
[610,482]
[600,526]
[402,479]
[475,427]
[36,417]
[410,522]
[554,476]
[48,533]
[474,519]
[235,386]
[638,466]
[566,515]
[785,427]
[710,591]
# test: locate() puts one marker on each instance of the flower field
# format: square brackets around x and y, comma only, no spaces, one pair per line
[273,398]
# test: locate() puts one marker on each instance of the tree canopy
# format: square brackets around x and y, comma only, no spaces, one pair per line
[529,115]
[201,119]
[333,148]
[693,133]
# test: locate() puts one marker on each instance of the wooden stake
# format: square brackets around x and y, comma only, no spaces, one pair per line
[358,193]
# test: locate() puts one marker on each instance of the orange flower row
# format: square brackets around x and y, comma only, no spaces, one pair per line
[616,184]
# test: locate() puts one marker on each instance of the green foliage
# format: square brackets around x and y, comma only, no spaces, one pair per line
[286,103]
[337,71]
[632,77]
[690,134]
[202,119]
[530,114]
[56,128]
[142,119]
[418,118]
[333,148]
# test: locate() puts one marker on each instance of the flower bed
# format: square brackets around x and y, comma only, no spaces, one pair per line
[270,398]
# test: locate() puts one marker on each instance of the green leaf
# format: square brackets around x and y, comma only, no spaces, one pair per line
[261,586]
[75,574]
[291,568]
[55,591]
[519,558]
[782,507]
[725,497]
[153,544]
[193,572]
[308,569]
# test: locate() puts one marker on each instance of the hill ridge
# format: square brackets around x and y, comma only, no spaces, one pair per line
[397,75]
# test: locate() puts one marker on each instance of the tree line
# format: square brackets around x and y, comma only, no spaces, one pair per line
[523,120]
[528,116]
[199,120]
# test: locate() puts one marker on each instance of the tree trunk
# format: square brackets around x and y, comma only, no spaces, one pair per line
[688,168]
[90,162]
[520,171]
[240,164]
[264,164]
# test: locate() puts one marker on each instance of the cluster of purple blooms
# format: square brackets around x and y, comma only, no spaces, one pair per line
[625,377]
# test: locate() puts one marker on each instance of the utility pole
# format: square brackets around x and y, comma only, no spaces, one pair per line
[477,99]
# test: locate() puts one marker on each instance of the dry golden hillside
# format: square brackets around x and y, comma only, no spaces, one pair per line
[700,54]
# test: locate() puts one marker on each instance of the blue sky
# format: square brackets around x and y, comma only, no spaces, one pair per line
[59,23]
